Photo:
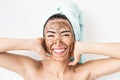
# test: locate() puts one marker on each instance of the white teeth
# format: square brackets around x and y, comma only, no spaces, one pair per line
[59,50]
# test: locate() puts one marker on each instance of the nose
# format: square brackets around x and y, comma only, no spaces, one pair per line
[58,41]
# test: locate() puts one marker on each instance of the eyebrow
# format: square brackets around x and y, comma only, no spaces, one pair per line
[65,31]
[50,32]
[61,31]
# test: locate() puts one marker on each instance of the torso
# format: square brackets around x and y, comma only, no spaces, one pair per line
[39,74]
[47,76]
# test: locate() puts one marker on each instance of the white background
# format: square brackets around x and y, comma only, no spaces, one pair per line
[23,19]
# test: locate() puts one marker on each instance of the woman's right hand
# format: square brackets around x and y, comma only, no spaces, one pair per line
[39,47]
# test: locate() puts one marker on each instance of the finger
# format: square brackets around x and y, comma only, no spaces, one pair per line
[45,55]
[48,54]
[75,61]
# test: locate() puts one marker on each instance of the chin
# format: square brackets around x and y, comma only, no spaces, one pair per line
[60,58]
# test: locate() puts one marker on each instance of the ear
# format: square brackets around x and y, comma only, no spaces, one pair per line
[71,55]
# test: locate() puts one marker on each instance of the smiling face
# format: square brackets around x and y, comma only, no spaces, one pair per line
[59,38]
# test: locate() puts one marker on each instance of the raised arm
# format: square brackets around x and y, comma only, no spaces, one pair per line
[14,62]
[108,49]
[100,67]
[7,44]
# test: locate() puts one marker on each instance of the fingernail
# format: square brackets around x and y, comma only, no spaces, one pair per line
[48,54]
[70,64]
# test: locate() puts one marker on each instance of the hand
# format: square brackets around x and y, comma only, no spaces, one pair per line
[78,50]
[39,47]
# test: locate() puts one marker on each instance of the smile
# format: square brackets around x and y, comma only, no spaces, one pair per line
[59,51]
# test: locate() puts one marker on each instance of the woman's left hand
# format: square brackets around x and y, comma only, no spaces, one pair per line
[78,50]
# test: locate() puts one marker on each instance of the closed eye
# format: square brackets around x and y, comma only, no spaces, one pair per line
[66,35]
[50,36]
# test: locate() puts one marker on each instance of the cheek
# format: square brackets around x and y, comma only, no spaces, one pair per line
[70,45]
[48,44]
[69,41]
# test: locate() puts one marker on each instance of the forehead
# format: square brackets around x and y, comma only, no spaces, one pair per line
[58,24]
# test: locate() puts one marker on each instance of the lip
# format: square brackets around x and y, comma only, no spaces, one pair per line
[59,51]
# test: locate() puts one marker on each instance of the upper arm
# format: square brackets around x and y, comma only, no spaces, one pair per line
[98,68]
[16,63]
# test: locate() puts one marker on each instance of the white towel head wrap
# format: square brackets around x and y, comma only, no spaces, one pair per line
[74,15]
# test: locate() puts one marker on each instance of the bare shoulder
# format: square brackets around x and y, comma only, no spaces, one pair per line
[31,65]
[17,63]
[30,62]
[82,67]
[82,71]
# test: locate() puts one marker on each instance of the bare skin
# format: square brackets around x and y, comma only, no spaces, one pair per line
[59,42]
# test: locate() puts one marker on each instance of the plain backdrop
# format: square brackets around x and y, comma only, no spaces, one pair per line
[23,19]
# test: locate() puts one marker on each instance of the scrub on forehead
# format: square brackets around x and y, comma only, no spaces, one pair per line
[58,24]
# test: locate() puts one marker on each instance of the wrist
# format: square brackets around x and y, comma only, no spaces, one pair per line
[35,44]
[28,44]
[85,47]
[91,48]
[82,47]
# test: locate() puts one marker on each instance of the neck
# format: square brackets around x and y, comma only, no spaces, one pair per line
[57,67]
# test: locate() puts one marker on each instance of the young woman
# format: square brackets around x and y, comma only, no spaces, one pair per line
[59,42]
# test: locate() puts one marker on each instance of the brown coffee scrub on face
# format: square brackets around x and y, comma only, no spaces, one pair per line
[61,29]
